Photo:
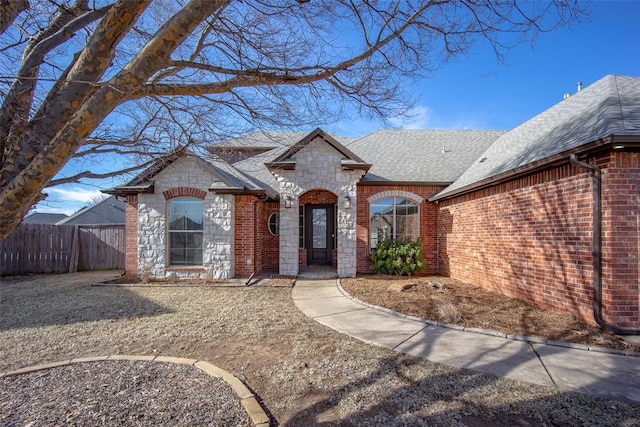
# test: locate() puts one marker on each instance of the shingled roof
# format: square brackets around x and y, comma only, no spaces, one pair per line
[107,211]
[227,178]
[587,120]
[422,156]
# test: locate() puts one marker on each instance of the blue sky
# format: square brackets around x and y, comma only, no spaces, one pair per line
[476,92]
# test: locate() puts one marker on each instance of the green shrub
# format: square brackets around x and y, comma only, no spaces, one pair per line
[398,258]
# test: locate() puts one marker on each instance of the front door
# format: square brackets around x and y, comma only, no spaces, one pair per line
[319,233]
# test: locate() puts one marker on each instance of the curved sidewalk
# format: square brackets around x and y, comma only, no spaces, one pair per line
[602,374]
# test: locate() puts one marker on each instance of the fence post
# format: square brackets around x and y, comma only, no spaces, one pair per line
[75,250]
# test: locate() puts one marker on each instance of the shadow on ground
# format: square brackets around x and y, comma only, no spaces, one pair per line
[45,301]
[458,397]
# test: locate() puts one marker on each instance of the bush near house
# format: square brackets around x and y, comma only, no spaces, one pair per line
[398,258]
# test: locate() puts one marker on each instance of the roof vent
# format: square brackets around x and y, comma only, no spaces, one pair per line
[579,86]
[566,95]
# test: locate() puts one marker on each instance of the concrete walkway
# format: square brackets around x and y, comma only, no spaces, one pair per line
[613,376]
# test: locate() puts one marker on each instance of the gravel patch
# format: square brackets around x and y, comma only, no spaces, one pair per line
[303,372]
[119,392]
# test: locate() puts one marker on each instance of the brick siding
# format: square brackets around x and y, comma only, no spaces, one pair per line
[428,222]
[131,236]
[620,239]
[318,197]
[268,244]
[531,238]
[244,243]
[184,192]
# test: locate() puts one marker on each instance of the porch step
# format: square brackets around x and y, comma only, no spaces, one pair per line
[317,273]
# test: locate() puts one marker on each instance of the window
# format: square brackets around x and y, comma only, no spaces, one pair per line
[274,223]
[185,231]
[301,228]
[394,218]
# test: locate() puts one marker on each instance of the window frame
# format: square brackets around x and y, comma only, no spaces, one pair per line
[170,232]
[274,215]
[393,235]
[301,229]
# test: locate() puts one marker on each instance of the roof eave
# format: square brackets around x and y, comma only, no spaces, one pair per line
[356,166]
[125,190]
[281,165]
[549,162]
[415,183]
[237,191]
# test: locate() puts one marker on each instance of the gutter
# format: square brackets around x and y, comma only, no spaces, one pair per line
[597,249]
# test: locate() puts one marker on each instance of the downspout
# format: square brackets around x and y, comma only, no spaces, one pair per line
[597,250]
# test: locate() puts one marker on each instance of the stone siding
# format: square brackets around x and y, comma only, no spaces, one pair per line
[218,230]
[318,166]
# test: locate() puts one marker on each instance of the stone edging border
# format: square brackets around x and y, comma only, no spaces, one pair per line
[247,398]
[528,338]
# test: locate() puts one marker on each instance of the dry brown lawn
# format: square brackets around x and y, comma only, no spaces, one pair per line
[451,301]
[305,373]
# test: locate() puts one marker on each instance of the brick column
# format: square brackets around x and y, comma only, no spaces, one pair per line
[244,236]
[131,236]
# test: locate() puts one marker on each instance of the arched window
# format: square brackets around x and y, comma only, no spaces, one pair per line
[274,223]
[394,218]
[185,231]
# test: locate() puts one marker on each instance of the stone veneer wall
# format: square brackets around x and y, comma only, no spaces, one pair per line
[318,167]
[218,230]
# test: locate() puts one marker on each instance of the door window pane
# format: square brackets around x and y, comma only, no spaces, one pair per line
[319,218]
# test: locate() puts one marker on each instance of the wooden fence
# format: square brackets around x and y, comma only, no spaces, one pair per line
[45,248]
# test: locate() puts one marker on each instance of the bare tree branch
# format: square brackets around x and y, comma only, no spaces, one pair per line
[91,175]
[9,10]
[136,79]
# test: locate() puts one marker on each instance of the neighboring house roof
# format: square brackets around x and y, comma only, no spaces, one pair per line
[43,218]
[107,211]
[607,108]
[425,156]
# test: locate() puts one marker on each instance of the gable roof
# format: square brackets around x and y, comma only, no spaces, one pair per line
[43,218]
[227,179]
[586,121]
[434,157]
[286,159]
[107,211]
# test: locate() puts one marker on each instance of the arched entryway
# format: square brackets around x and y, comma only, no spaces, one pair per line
[318,228]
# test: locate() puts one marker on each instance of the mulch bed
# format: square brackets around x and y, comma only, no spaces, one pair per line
[119,392]
[451,301]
